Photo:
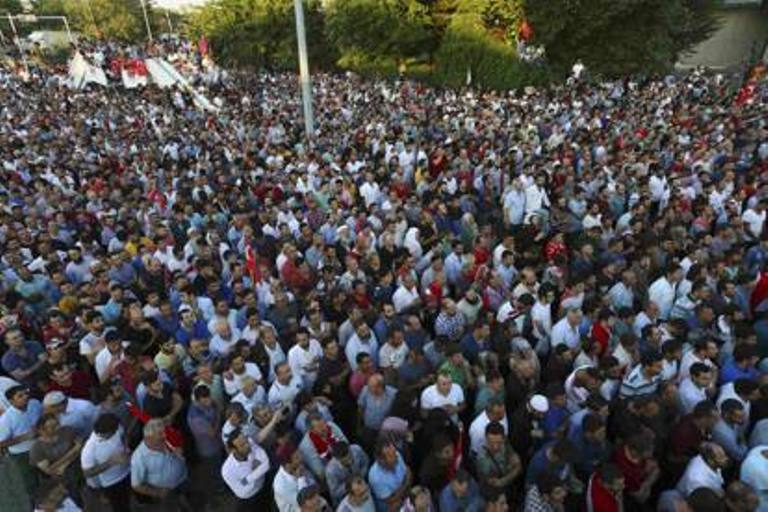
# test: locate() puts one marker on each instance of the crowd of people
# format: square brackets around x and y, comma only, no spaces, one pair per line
[541,300]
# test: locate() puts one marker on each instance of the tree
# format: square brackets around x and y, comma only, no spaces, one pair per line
[121,20]
[397,29]
[619,37]
[261,33]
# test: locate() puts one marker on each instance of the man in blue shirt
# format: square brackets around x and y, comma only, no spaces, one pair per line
[23,358]
[461,494]
[741,365]
[158,471]
[191,327]
[389,477]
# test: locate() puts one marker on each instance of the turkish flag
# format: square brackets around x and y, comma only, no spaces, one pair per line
[251,265]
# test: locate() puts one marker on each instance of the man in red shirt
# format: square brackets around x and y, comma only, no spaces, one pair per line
[635,460]
[605,490]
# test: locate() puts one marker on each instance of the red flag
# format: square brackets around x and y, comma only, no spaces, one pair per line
[525,33]
[251,265]
[203,46]
[136,67]
[760,293]
[173,437]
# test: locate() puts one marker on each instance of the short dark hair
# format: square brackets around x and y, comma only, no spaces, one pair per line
[699,369]
[494,428]
[730,405]
[650,357]
[106,424]
[745,386]
[744,351]
[11,392]
[201,391]
[703,409]
[705,499]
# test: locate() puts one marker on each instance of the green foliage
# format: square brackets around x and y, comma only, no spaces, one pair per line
[10,6]
[619,37]
[121,19]
[468,48]
[396,29]
[260,33]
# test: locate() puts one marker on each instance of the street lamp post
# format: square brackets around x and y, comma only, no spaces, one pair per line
[146,20]
[18,44]
[306,84]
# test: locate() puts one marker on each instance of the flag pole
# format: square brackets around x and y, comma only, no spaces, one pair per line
[306,84]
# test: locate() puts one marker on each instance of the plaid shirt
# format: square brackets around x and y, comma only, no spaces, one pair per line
[534,502]
[450,326]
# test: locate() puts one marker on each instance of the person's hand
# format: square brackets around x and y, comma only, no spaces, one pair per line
[119,458]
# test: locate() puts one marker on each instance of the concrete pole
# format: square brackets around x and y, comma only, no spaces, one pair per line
[18,43]
[146,20]
[306,84]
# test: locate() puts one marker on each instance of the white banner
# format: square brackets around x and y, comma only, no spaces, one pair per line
[131,81]
[81,73]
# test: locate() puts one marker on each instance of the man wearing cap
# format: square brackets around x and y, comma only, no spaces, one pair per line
[526,423]
[72,412]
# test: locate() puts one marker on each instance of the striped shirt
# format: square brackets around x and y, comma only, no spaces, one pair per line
[636,383]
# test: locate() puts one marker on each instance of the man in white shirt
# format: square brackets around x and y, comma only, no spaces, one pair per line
[566,331]
[285,387]
[238,371]
[105,459]
[251,395]
[693,389]
[224,340]
[370,190]
[109,356]
[290,479]
[406,297]
[754,218]
[541,316]
[304,357]
[744,391]
[494,412]
[704,470]
[662,292]
[443,394]
[393,353]
[536,198]
[704,351]
[244,472]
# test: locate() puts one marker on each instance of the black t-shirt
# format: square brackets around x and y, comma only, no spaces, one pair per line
[158,407]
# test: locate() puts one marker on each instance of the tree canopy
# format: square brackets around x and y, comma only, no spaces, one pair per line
[443,38]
